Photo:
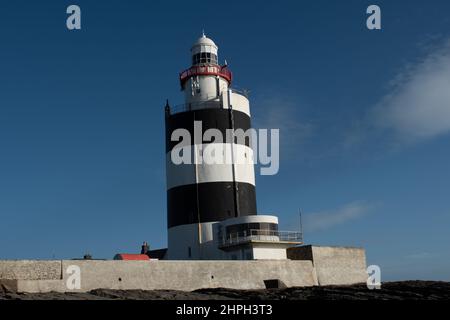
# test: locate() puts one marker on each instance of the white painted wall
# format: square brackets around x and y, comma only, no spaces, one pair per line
[184,174]
[238,102]
[250,219]
[208,89]
[180,238]
[269,253]
[208,92]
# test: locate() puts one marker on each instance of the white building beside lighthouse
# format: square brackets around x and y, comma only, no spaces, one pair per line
[211,208]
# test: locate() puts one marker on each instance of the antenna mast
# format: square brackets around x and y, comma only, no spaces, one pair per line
[300,222]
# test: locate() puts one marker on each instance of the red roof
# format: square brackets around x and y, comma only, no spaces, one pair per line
[131,256]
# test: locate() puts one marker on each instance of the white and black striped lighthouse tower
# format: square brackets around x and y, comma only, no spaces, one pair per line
[200,195]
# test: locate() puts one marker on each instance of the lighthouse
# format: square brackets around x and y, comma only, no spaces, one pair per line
[209,203]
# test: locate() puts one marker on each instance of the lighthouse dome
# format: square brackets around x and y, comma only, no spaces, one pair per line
[204,40]
[204,51]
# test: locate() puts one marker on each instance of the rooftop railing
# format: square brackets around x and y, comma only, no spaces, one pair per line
[261,235]
[213,103]
[210,104]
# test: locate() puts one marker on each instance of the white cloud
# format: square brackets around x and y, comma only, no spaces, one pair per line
[418,106]
[322,220]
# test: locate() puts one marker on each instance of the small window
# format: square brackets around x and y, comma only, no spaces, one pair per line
[196,58]
[189,252]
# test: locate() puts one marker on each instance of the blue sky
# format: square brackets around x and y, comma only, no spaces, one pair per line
[364,120]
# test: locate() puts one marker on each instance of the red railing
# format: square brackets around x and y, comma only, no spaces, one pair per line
[221,71]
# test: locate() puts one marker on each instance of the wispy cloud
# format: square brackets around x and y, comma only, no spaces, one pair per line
[418,105]
[416,108]
[322,220]
[420,255]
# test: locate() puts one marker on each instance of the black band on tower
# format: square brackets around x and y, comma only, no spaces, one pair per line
[215,202]
[210,118]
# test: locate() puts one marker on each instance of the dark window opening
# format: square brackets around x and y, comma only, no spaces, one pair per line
[204,57]
[245,229]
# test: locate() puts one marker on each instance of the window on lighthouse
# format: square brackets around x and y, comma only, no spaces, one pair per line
[195,84]
[204,57]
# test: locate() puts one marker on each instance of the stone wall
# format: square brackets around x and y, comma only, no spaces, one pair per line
[333,265]
[30,269]
[306,266]
[153,275]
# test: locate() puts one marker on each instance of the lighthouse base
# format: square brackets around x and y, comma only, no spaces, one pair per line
[253,237]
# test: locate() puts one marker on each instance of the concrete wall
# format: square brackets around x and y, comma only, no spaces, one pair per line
[309,266]
[30,269]
[333,265]
[152,275]
[267,252]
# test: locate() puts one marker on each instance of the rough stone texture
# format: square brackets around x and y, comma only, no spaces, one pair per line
[30,270]
[300,253]
[176,275]
[334,265]
[404,290]
[36,286]
[8,285]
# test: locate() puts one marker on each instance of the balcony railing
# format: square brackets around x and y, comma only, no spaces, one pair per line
[212,70]
[211,104]
[261,235]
